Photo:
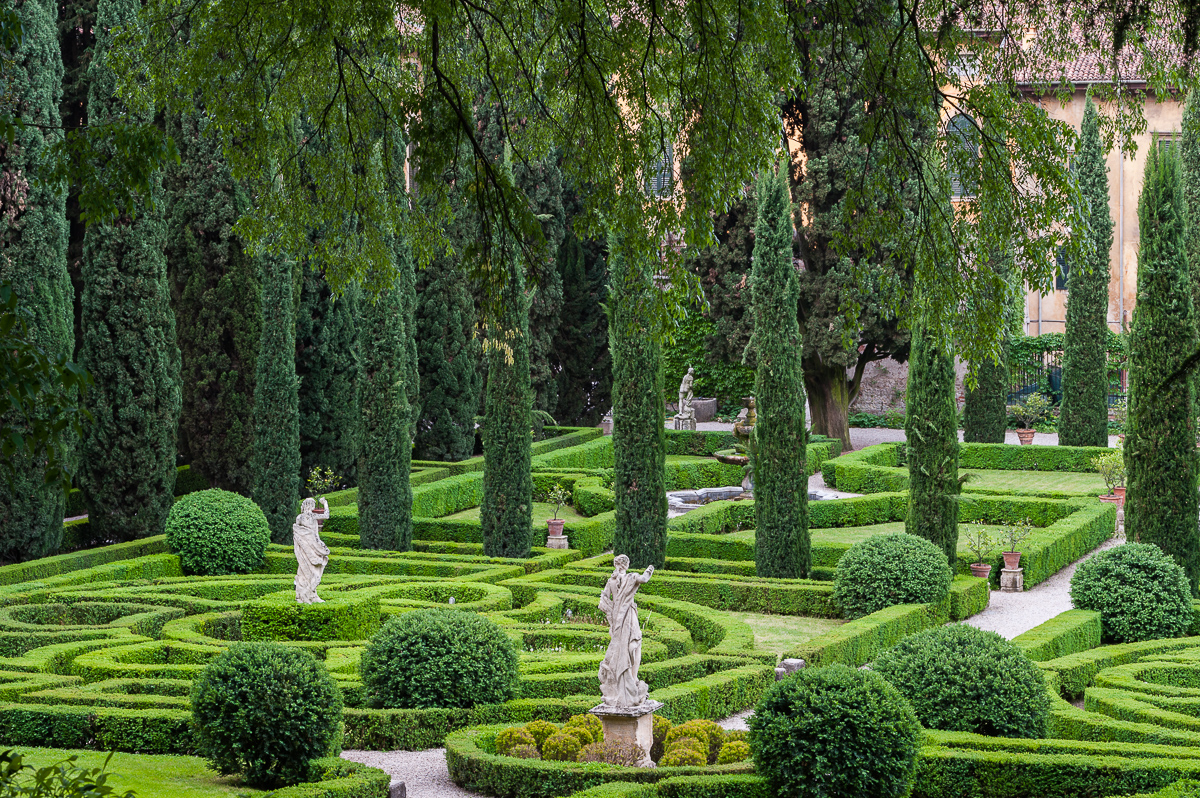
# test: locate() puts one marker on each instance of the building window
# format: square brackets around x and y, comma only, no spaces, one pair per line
[962,155]
[660,180]
[1064,270]
[1166,141]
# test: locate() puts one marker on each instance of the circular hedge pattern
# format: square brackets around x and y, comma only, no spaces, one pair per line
[890,569]
[835,731]
[264,710]
[439,658]
[959,678]
[216,532]
[1139,591]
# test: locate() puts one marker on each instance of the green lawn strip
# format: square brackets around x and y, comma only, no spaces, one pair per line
[780,633]
[150,776]
[1067,482]
[542,512]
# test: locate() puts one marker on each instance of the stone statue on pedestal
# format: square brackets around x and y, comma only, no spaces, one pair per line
[685,417]
[312,555]
[619,682]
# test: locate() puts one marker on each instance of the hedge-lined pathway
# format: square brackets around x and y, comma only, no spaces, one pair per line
[424,773]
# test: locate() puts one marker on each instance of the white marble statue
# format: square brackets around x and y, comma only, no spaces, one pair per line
[312,555]
[686,395]
[619,671]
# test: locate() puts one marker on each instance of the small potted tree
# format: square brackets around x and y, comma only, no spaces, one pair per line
[981,545]
[1028,412]
[1014,535]
[321,481]
[558,496]
[1111,466]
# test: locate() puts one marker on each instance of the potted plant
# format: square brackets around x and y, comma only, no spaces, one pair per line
[558,496]
[1031,410]
[980,544]
[1014,535]
[1111,466]
[321,481]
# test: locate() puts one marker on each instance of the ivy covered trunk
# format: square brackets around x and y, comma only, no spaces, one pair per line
[639,450]
[782,547]
[828,400]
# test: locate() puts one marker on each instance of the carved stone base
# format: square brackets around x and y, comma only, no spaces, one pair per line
[1012,580]
[685,422]
[630,725]
[556,541]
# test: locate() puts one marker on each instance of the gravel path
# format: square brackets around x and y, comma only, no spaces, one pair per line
[423,772]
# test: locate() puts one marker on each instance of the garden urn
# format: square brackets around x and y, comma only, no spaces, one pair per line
[1025,436]
[1113,498]
[980,570]
[1012,559]
[555,525]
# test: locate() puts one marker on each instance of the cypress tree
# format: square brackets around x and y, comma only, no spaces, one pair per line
[277,401]
[581,346]
[384,489]
[216,290]
[507,507]
[1190,163]
[985,415]
[1160,435]
[127,471]
[931,430]
[327,354]
[782,547]
[33,257]
[639,451]
[1083,419]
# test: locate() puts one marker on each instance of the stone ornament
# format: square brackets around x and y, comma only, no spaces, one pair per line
[312,555]
[619,682]
[686,417]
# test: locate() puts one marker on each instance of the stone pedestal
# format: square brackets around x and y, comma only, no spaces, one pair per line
[556,541]
[630,725]
[685,422]
[1012,580]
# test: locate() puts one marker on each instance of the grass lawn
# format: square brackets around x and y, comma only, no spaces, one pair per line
[542,512]
[782,633]
[149,776]
[1082,483]
[856,534]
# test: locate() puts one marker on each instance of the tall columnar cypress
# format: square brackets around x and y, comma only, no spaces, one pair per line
[1190,157]
[33,257]
[639,450]
[327,363]
[216,290]
[507,507]
[384,489]
[782,547]
[931,430]
[1083,420]
[985,415]
[277,401]
[1160,435]
[406,271]
[127,468]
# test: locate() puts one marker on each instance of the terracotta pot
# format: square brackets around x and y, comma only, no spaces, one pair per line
[555,525]
[1120,492]
[1113,499]
[1012,559]
[1025,436]
[980,570]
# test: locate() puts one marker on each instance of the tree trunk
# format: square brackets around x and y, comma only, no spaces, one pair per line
[829,401]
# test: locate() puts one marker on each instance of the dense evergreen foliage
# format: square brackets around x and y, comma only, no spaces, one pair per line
[327,364]
[216,290]
[216,532]
[1160,433]
[277,402]
[639,451]
[1083,418]
[885,570]
[985,412]
[1189,151]
[128,455]
[584,381]
[1139,591]
[33,258]
[931,430]
[782,546]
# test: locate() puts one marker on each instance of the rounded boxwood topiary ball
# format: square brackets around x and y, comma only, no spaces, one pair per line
[511,737]
[541,730]
[1139,591]
[561,747]
[733,751]
[890,569]
[682,756]
[216,532]
[264,710]
[835,731]
[439,658]
[959,678]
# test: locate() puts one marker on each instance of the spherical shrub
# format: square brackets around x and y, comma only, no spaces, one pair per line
[959,678]
[540,729]
[706,731]
[525,752]
[589,722]
[693,743]
[216,532]
[264,710]
[1139,591]
[835,731]
[890,569]
[511,737]
[682,757]
[614,753]
[439,658]
[661,727]
[583,734]
[561,747]
[733,751]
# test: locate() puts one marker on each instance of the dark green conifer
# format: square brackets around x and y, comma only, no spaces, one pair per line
[1189,151]
[277,401]
[128,457]
[639,451]
[581,346]
[1083,419]
[1160,434]
[985,414]
[216,289]
[782,547]
[33,257]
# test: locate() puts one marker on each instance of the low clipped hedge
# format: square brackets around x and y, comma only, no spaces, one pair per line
[334,777]
[280,618]
[1066,633]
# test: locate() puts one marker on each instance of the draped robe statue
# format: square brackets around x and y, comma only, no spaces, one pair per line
[312,555]
[686,395]
[618,672]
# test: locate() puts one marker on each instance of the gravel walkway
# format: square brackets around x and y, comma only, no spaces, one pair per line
[424,773]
